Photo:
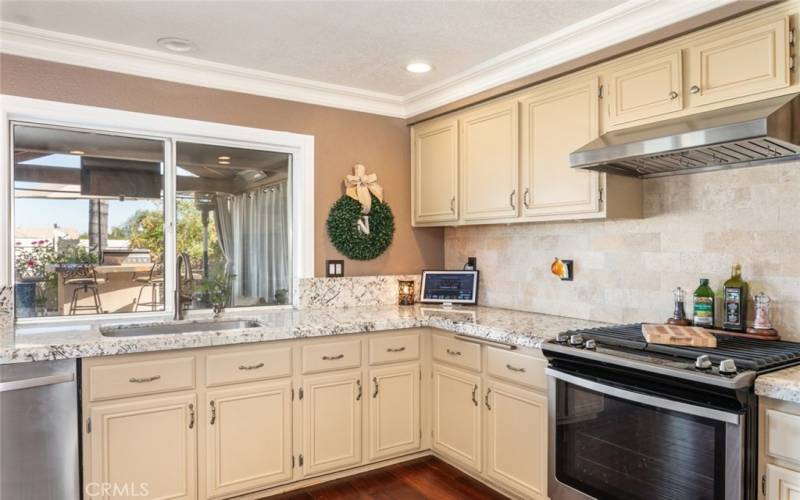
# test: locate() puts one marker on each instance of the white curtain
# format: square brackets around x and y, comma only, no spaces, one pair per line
[259,244]
[224,225]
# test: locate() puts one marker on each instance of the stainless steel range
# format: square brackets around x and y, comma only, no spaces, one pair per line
[632,420]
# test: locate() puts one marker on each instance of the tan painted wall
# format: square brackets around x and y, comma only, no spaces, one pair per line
[342,139]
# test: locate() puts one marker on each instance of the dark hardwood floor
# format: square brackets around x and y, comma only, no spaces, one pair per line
[421,479]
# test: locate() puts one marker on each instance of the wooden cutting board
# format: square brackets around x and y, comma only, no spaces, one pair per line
[678,335]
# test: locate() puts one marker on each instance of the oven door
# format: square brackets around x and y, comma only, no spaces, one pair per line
[612,443]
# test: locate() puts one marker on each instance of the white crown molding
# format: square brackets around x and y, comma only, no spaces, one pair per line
[619,24]
[65,48]
[624,22]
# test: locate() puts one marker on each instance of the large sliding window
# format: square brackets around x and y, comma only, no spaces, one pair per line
[93,223]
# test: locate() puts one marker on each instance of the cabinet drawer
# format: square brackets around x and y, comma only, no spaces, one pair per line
[783,435]
[516,367]
[457,352]
[137,378]
[245,366]
[331,356]
[393,348]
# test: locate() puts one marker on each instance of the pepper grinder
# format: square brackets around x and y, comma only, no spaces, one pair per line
[679,313]
[761,325]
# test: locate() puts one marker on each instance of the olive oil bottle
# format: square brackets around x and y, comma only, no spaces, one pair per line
[735,306]
[703,305]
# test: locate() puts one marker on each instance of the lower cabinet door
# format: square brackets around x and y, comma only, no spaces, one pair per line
[393,411]
[457,415]
[782,484]
[248,437]
[516,436]
[332,421]
[144,449]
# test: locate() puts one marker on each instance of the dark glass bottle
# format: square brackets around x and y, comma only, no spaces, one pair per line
[703,305]
[735,296]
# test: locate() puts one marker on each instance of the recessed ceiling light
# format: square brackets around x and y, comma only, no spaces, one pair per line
[77,152]
[223,157]
[176,44]
[224,162]
[418,67]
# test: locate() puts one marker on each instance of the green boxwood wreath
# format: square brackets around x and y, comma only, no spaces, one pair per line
[344,234]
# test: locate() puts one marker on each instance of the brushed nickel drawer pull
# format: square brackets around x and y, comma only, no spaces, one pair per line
[143,380]
[453,353]
[525,196]
[515,369]
[375,393]
[332,358]
[511,199]
[191,415]
[213,411]
[396,349]
[251,367]
[486,399]
[453,204]
[474,392]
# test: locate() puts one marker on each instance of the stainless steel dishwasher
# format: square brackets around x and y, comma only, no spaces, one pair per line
[39,431]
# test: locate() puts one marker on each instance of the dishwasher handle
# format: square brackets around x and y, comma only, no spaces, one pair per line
[29,383]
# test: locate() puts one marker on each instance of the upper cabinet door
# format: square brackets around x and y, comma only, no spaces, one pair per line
[556,122]
[645,89]
[490,162]
[739,64]
[435,171]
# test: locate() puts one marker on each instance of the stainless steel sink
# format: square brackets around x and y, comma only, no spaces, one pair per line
[188,327]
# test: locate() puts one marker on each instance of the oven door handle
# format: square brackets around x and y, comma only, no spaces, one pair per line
[646,399]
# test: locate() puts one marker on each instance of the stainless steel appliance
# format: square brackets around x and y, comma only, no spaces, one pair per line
[39,431]
[732,137]
[631,420]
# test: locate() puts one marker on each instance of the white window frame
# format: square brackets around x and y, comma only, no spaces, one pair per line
[172,130]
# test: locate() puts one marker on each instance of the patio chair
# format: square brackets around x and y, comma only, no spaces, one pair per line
[82,277]
[155,281]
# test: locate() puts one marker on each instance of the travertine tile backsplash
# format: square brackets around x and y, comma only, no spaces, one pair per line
[694,226]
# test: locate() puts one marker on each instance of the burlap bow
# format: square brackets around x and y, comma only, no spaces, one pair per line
[360,185]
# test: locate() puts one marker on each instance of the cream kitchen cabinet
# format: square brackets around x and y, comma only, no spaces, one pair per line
[394,411]
[644,88]
[489,162]
[248,437]
[145,448]
[332,421]
[434,175]
[739,62]
[555,121]
[457,429]
[516,430]
[782,484]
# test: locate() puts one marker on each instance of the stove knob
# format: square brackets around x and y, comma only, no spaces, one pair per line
[562,338]
[703,362]
[590,344]
[576,340]
[727,367]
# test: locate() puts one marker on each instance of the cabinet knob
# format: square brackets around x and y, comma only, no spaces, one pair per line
[694,89]
[673,95]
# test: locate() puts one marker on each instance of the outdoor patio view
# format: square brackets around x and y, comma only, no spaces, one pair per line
[90,224]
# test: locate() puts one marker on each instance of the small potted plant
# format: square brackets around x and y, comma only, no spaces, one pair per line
[217,290]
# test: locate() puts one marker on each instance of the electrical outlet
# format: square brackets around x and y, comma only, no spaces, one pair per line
[334,268]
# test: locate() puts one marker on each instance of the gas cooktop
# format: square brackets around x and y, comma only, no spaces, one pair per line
[735,361]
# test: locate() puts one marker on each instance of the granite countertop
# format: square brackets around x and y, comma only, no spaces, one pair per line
[782,384]
[523,329]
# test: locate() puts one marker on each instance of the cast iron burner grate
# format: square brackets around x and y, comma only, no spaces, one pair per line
[750,354]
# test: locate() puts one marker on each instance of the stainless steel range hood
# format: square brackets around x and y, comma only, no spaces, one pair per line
[733,137]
